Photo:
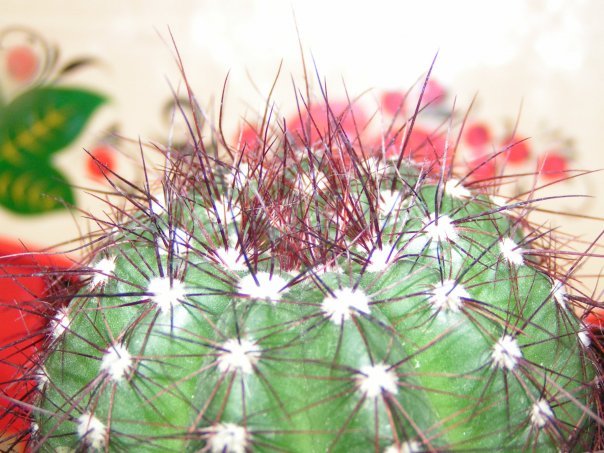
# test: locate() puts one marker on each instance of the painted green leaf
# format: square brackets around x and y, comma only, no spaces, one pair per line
[43,121]
[34,190]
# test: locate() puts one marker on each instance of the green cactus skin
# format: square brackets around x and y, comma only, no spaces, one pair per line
[304,302]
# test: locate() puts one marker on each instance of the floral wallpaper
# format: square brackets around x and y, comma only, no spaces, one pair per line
[39,116]
[522,77]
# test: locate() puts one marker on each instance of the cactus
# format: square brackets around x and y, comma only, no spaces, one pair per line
[310,297]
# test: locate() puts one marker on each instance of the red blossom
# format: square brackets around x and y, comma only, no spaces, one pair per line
[23,285]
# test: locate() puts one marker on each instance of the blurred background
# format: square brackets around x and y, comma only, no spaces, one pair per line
[75,76]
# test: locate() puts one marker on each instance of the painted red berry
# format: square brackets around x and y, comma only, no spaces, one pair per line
[319,122]
[101,160]
[482,169]
[423,146]
[477,135]
[249,141]
[392,102]
[553,166]
[21,63]
[248,138]
[518,150]
[434,93]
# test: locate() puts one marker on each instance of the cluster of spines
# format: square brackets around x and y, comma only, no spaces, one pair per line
[241,355]
[339,220]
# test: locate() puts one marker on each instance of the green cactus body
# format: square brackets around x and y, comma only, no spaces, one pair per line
[328,310]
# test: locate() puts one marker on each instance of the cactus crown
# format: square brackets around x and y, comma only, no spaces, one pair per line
[305,294]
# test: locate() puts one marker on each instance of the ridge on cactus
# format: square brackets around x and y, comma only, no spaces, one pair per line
[311,295]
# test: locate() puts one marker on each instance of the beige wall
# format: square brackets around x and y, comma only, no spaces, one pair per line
[546,55]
